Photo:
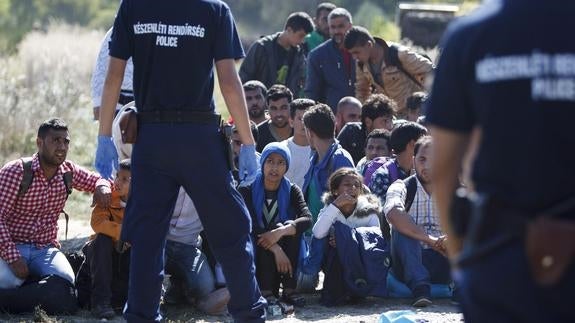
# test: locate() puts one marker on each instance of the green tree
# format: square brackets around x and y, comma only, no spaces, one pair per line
[18,17]
[78,12]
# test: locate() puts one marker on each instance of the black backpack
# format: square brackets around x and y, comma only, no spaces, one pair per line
[411,186]
[52,293]
[28,177]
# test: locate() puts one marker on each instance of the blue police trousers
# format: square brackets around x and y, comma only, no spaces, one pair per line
[165,157]
[499,288]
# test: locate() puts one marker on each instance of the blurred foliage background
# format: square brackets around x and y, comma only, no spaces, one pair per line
[254,17]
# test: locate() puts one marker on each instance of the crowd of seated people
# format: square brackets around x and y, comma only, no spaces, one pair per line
[337,119]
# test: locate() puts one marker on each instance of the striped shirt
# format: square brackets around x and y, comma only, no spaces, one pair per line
[33,217]
[423,210]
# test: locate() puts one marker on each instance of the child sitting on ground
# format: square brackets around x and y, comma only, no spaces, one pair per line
[107,257]
[279,217]
[348,202]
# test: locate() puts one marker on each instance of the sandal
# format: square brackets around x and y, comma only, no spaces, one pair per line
[293,299]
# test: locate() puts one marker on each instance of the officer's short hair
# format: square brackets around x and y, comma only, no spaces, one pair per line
[278,91]
[321,120]
[300,104]
[51,124]
[357,36]
[403,133]
[377,105]
[299,21]
[254,85]
[340,12]
[324,6]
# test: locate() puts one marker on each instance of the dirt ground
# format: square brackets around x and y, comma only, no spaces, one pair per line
[367,311]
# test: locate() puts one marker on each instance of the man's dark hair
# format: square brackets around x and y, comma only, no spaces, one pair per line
[377,105]
[421,142]
[357,36]
[299,21]
[300,104]
[324,6]
[415,100]
[254,85]
[253,128]
[379,134]
[125,164]
[321,120]
[403,133]
[51,124]
[278,91]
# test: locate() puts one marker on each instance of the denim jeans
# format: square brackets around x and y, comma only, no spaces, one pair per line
[187,264]
[416,266]
[41,262]
[317,250]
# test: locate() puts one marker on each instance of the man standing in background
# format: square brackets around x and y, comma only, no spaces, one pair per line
[331,70]
[280,58]
[321,30]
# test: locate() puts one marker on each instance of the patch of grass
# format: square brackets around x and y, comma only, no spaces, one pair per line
[50,77]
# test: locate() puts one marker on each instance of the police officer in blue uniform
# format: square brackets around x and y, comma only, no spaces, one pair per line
[174,46]
[505,84]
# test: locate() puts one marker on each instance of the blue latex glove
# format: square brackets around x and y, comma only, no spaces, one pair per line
[248,164]
[106,157]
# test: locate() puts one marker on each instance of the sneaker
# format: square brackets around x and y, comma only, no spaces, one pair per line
[103,312]
[215,303]
[306,283]
[422,296]
[293,299]
[421,301]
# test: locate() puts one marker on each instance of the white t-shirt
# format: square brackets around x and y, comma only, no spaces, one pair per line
[101,69]
[185,225]
[124,150]
[300,162]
